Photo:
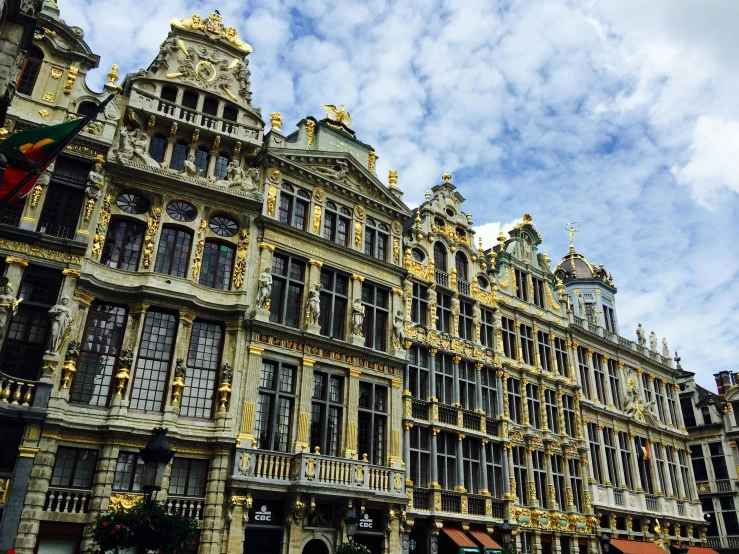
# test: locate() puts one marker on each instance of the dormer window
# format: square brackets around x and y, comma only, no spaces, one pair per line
[418,255]
[221,168]
[179,155]
[376,239]
[31,67]
[169,94]
[482,283]
[202,155]
[229,114]
[460,233]
[450,212]
[86,108]
[157,147]
[210,107]
[189,103]
[336,222]
[438,222]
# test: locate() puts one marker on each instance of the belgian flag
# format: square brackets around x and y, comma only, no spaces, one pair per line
[643,452]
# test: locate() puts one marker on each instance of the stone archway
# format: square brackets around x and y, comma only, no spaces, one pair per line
[315,546]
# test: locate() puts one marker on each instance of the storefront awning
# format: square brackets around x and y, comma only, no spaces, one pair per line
[464,543]
[636,547]
[490,546]
[698,549]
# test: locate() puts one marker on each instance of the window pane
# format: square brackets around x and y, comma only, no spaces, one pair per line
[152,366]
[202,370]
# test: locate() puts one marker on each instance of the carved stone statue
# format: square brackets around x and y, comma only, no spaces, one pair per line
[227,373]
[248,178]
[95,181]
[636,408]
[180,369]
[45,176]
[653,341]
[580,306]
[398,329]
[665,348]
[73,350]
[134,144]
[8,307]
[431,295]
[190,169]
[313,311]
[641,338]
[264,289]
[476,314]
[408,292]
[125,359]
[338,171]
[169,45]
[357,317]
[59,315]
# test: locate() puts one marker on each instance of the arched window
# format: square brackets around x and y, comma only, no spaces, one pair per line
[460,264]
[86,108]
[189,104]
[218,261]
[157,147]
[202,155]
[293,206]
[174,251]
[30,70]
[122,248]
[336,224]
[221,168]
[179,155]
[210,106]
[440,257]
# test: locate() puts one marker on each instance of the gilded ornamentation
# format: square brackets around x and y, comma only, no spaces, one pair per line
[152,227]
[102,228]
[112,75]
[310,131]
[213,27]
[198,259]
[71,77]
[56,73]
[124,370]
[371,159]
[178,385]
[358,235]
[504,284]
[316,219]
[48,97]
[271,200]
[43,113]
[339,115]
[392,177]
[240,265]
[123,501]
[275,118]
[396,250]
[224,390]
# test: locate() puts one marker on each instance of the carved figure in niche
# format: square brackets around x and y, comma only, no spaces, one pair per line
[190,169]
[665,348]
[431,297]
[135,144]
[180,370]
[73,350]
[408,293]
[227,373]
[126,358]
[45,176]
[653,341]
[95,181]
[313,311]
[641,338]
[580,306]
[169,45]
[338,171]
[264,288]
[8,307]
[59,315]
[398,329]
[455,306]
[357,317]
[248,179]
[476,314]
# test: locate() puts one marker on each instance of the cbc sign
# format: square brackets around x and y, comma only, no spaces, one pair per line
[263,515]
[366,522]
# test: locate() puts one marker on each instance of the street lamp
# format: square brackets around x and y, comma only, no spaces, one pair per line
[506,531]
[605,542]
[156,455]
[350,520]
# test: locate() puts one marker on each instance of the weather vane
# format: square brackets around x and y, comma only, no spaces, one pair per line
[570,228]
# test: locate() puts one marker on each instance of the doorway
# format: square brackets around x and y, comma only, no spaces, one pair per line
[315,546]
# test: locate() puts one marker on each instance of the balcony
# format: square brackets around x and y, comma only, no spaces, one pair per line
[731,541]
[441,278]
[23,395]
[67,501]
[453,417]
[311,469]
[618,497]
[438,501]
[719,485]
[651,502]
[463,287]
[723,485]
[187,507]
[172,111]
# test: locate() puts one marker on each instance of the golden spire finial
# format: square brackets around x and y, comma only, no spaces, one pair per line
[571,229]
[446,177]
[113,75]
[469,218]
[428,196]
[392,177]
[480,249]
[418,216]
[501,239]
[275,118]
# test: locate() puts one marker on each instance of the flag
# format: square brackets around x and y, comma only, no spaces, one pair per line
[644,452]
[37,145]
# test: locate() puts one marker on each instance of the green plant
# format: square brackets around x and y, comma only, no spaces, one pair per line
[145,527]
[352,548]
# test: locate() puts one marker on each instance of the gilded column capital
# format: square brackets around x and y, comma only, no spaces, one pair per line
[357,278]
[432,352]
[234,325]
[457,359]
[256,350]
[265,246]
[13,260]
[309,362]
[187,317]
[138,308]
[354,372]
[83,298]
[316,263]
[71,272]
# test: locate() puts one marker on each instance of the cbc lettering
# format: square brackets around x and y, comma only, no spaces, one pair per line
[365,523]
[263,515]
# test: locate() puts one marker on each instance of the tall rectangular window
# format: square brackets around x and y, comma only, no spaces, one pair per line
[672,469]
[444,375]
[672,404]
[446,456]
[539,293]
[660,467]
[550,397]
[27,336]
[625,460]
[129,471]
[560,356]
[527,344]
[584,368]
[419,305]
[600,378]
[443,312]
[610,316]
[326,409]
[509,337]
[609,445]
[372,422]
[718,460]
[659,398]
[576,483]
[514,400]
[643,461]
[540,476]
[688,484]
[376,302]
[334,303]
[471,463]
[173,253]
[188,477]
[647,387]
[728,513]
[101,346]
[275,405]
[520,473]
[287,290]
[203,361]
[494,460]
[467,385]
[568,405]
[64,197]
[487,328]
[534,405]
[418,373]
[686,406]
[558,476]
[489,392]
[594,445]
[615,383]
[152,365]
[522,285]
[11,213]
[74,468]
[542,340]
[420,457]
[122,247]
[218,265]
[464,328]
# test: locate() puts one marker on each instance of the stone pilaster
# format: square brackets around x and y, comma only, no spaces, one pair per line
[305,386]
[352,415]
[181,350]
[210,536]
[483,465]
[478,389]
[131,339]
[102,487]
[239,507]
[250,394]
[455,372]
[459,466]
[432,375]
[434,469]
[533,499]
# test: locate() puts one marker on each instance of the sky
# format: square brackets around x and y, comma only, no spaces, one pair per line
[620,115]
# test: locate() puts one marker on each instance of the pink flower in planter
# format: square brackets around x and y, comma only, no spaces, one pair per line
[105,523]
[117,526]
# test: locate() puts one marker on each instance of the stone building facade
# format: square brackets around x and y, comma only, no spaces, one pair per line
[310,342]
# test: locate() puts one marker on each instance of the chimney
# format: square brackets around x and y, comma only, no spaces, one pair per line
[723,381]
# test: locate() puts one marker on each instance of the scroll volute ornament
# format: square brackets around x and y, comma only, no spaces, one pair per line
[124,371]
[70,359]
[224,390]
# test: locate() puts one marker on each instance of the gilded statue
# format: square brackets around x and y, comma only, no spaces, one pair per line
[339,115]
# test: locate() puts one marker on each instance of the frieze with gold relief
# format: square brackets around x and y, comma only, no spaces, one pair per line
[442,341]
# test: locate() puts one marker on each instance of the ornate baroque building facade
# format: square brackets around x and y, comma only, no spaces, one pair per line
[310,342]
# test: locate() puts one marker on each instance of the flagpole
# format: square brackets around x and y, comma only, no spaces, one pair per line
[60,147]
